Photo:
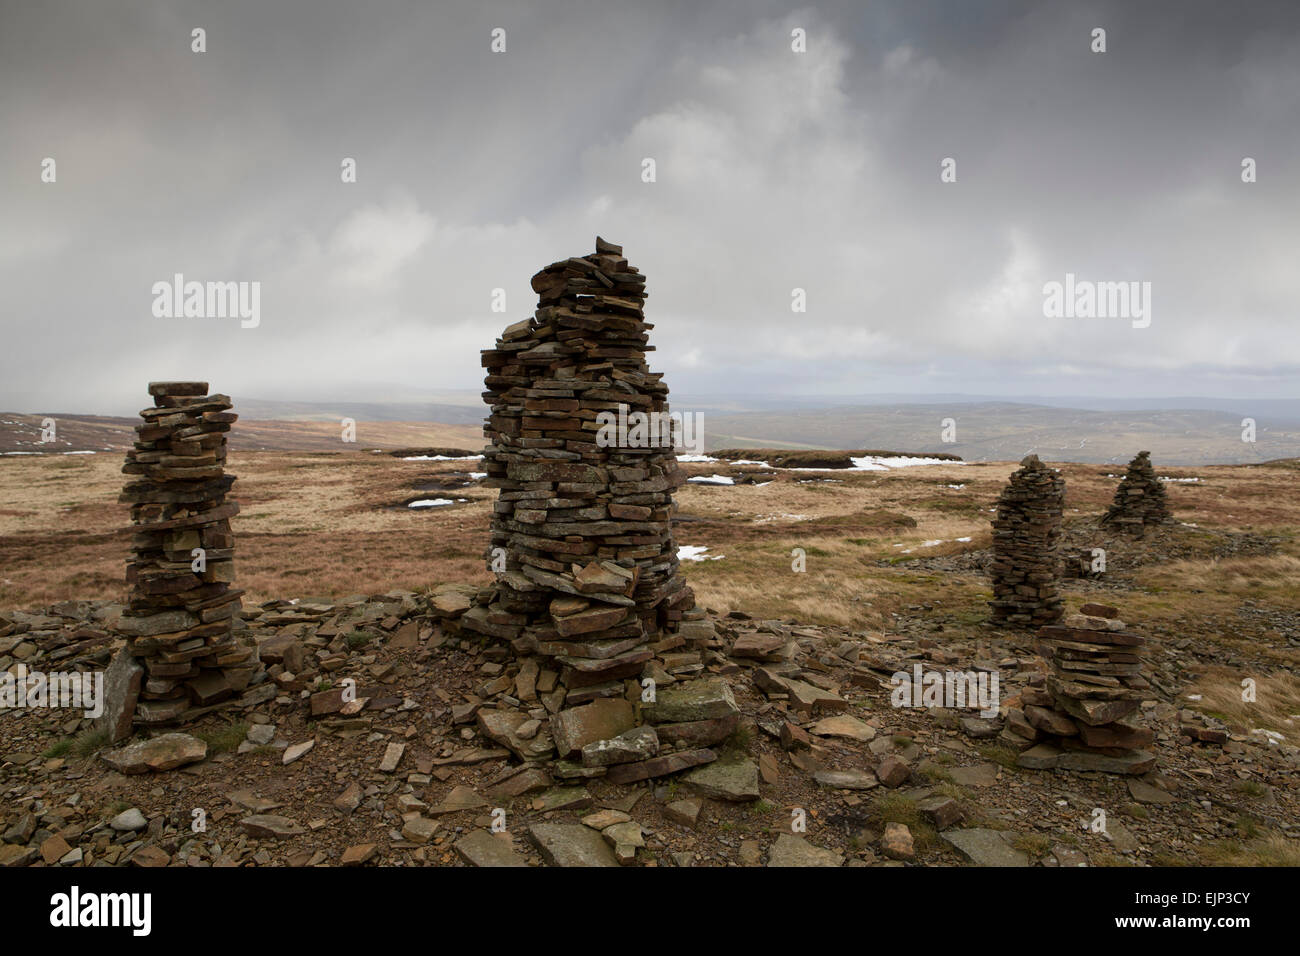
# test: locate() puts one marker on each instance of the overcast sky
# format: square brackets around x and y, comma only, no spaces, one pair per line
[775,170]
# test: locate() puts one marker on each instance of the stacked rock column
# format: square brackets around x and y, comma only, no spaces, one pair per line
[178,620]
[588,585]
[1140,499]
[1026,544]
[1094,688]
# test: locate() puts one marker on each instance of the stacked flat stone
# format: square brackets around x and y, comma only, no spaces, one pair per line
[1140,499]
[1085,715]
[588,588]
[178,620]
[1026,547]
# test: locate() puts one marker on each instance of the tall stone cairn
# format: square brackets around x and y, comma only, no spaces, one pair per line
[1140,498]
[1026,543]
[178,620]
[588,591]
[1086,717]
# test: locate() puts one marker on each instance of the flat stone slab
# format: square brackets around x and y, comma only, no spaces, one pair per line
[981,775]
[846,779]
[706,698]
[460,798]
[1145,793]
[272,826]
[122,682]
[985,847]
[157,754]
[571,844]
[733,779]
[842,725]
[502,726]
[659,766]
[1048,757]
[602,719]
[481,848]
[640,743]
[792,850]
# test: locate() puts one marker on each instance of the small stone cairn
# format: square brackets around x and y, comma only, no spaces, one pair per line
[1140,499]
[1026,542]
[1084,715]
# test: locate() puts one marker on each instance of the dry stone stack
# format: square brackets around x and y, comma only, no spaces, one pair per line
[1085,716]
[178,621]
[1140,498]
[1026,543]
[588,589]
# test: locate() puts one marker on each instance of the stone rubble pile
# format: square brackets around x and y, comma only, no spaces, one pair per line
[589,593]
[1140,499]
[1026,542]
[178,620]
[1085,715]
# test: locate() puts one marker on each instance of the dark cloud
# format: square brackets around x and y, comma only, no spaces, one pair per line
[775,171]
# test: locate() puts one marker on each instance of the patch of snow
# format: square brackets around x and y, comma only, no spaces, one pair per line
[476,475]
[433,502]
[695,458]
[925,544]
[712,480]
[442,458]
[695,552]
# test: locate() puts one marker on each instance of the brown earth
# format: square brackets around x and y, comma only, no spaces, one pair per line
[1216,594]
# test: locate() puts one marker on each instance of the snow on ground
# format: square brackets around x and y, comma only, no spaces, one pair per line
[884,463]
[711,480]
[695,552]
[442,458]
[434,502]
[928,544]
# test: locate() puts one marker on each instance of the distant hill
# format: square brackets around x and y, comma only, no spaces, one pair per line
[984,431]
[1008,432]
[20,434]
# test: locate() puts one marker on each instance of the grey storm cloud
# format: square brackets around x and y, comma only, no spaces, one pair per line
[775,170]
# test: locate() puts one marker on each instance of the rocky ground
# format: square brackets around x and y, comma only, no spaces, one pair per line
[821,770]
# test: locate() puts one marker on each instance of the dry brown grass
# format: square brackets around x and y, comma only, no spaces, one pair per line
[1271,849]
[331,524]
[1276,706]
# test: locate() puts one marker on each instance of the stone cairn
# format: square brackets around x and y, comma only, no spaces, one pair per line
[1084,716]
[1140,498]
[1026,542]
[588,590]
[178,621]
